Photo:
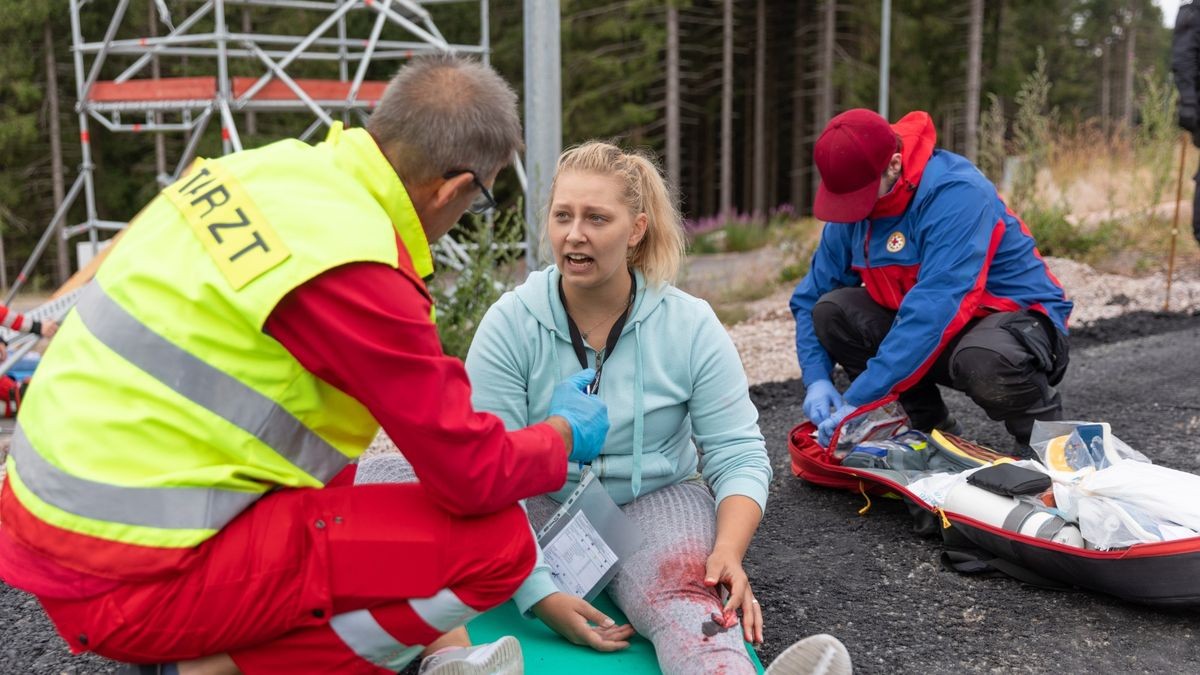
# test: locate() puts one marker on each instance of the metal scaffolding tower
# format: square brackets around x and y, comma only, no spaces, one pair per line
[134,99]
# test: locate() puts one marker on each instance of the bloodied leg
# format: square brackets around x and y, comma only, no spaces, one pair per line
[661,588]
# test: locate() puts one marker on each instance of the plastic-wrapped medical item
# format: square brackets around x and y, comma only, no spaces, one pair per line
[1073,446]
[1108,524]
[878,424]
[1118,497]
[907,451]
[1166,494]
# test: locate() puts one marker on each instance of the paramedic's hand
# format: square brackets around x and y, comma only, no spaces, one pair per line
[3,350]
[576,620]
[725,568]
[49,328]
[825,431]
[821,399]
[587,415]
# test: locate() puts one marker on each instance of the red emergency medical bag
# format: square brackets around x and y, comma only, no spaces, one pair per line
[1164,573]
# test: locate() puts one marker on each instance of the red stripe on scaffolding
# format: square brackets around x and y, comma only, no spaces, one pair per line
[201,88]
[85,137]
[318,90]
[166,89]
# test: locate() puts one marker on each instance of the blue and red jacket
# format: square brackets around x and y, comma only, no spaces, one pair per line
[941,249]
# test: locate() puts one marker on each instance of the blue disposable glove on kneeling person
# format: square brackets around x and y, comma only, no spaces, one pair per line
[587,415]
[821,399]
[825,429]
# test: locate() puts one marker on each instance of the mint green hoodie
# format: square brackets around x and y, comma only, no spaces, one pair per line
[674,384]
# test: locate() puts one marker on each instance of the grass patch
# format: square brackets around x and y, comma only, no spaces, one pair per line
[731,305]
[733,238]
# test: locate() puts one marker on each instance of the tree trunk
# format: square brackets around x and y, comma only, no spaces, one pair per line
[759,201]
[1130,46]
[727,109]
[799,192]
[974,63]
[1106,86]
[824,108]
[997,32]
[772,137]
[745,204]
[3,267]
[62,263]
[673,95]
[709,178]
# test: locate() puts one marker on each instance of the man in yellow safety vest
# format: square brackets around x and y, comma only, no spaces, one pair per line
[175,489]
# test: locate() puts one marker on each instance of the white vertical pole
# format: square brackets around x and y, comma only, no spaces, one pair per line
[85,138]
[543,115]
[223,89]
[885,57]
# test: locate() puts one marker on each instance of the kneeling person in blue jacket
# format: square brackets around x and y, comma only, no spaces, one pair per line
[923,276]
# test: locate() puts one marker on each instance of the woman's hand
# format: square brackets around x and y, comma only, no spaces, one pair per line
[573,618]
[49,328]
[724,567]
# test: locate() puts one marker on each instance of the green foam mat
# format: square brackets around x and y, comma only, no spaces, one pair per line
[546,652]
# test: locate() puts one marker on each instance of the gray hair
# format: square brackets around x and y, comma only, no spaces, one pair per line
[442,113]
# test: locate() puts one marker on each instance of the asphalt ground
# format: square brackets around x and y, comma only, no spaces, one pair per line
[819,567]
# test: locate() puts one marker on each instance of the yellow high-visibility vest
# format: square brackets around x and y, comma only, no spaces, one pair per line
[161,409]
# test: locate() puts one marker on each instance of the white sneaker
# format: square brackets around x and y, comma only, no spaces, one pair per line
[502,657]
[814,655]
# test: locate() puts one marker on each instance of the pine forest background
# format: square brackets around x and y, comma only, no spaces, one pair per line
[795,63]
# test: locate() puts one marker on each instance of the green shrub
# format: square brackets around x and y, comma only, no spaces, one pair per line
[1032,133]
[740,238]
[1057,237]
[492,257]
[737,233]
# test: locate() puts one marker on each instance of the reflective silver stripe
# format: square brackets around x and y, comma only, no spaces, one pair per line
[363,634]
[1016,518]
[1050,528]
[207,386]
[443,611]
[162,507]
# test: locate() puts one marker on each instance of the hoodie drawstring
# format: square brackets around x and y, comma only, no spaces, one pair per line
[638,407]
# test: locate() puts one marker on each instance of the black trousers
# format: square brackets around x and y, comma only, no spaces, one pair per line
[1196,206]
[1007,363]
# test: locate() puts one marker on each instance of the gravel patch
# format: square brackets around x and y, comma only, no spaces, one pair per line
[766,340]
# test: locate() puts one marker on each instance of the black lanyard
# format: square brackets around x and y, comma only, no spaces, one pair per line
[614,334]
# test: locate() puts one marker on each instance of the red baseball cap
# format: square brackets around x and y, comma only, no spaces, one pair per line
[851,156]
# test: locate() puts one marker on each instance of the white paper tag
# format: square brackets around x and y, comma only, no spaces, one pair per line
[578,556]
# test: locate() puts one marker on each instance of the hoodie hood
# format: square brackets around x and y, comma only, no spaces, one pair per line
[539,294]
[918,136]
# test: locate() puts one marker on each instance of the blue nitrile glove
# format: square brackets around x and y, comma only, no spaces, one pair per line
[587,415]
[821,399]
[825,430]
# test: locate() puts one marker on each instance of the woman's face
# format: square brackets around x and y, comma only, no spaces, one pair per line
[591,229]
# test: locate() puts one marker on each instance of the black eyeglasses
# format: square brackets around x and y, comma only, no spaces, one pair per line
[485,201]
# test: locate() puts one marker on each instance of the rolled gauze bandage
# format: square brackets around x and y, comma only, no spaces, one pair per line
[1011,514]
